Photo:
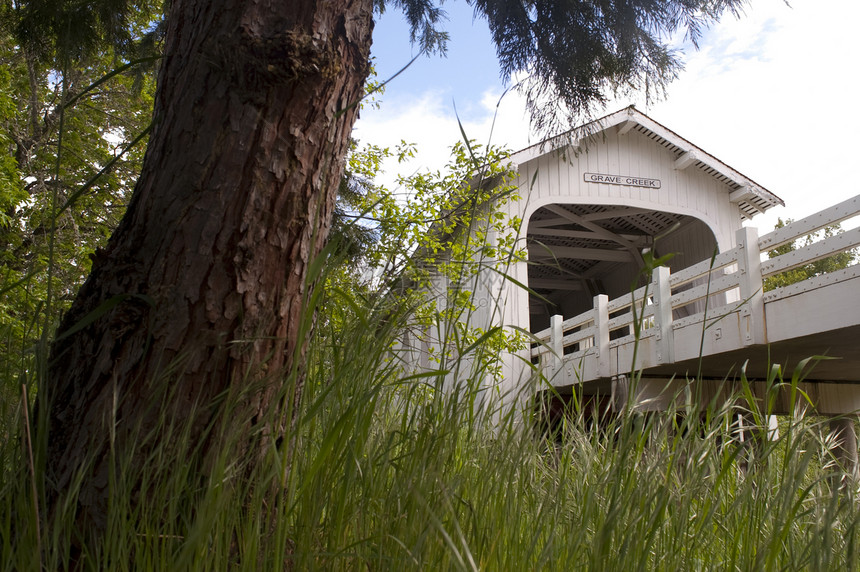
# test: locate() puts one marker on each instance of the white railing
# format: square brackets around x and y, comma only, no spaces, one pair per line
[730,282]
[842,242]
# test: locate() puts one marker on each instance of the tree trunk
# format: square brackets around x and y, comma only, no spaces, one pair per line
[255,103]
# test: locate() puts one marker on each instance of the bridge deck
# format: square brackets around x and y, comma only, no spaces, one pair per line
[744,325]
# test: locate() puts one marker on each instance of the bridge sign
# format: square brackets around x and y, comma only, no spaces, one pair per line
[625,180]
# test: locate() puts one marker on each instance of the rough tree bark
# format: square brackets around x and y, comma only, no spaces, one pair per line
[254,108]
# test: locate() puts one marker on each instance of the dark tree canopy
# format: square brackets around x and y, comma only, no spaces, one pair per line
[577,52]
[70,31]
[574,54]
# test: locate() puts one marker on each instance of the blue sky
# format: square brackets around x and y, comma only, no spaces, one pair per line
[773,94]
[469,67]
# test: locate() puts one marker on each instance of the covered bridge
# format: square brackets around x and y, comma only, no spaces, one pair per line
[592,203]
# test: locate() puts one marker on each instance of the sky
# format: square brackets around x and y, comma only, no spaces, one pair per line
[773,94]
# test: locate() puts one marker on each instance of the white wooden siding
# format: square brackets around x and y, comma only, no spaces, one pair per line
[558,178]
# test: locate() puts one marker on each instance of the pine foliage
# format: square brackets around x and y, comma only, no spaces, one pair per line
[576,53]
[573,54]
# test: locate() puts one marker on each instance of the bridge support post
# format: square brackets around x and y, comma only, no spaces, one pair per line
[601,338]
[749,436]
[555,342]
[750,284]
[663,315]
[844,448]
[619,397]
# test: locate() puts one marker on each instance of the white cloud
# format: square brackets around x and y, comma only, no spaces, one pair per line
[431,123]
[779,113]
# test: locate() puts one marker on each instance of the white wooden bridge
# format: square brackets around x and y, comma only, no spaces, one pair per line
[728,321]
[589,203]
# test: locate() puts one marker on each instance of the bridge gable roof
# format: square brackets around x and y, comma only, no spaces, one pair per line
[750,197]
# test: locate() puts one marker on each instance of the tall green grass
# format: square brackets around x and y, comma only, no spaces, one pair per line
[386,469]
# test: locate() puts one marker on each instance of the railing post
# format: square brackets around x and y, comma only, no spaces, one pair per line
[601,338]
[750,285]
[663,316]
[555,342]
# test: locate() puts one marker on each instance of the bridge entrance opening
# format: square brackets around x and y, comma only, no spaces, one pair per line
[577,251]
